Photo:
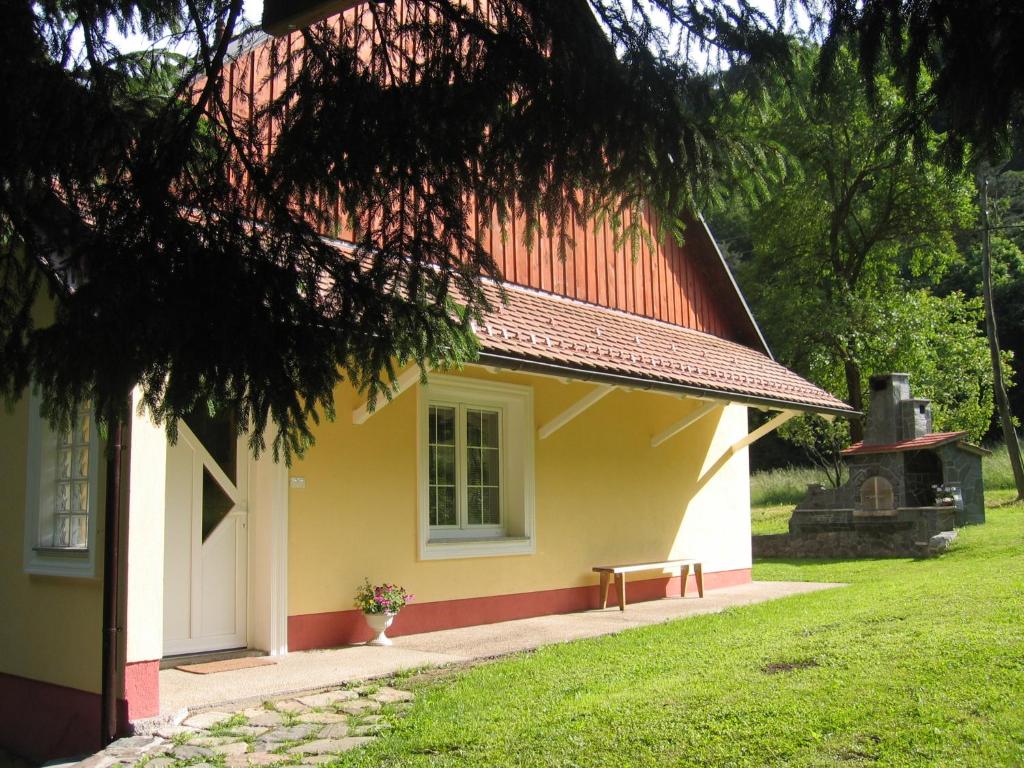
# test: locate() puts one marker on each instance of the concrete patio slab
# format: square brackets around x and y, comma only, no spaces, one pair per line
[315,670]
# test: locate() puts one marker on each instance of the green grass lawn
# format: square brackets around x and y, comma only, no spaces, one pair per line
[914,663]
[771,519]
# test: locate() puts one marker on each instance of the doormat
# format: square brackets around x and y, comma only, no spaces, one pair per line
[228,665]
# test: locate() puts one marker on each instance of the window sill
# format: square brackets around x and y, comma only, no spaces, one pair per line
[62,551]
[438,548]
[45,561]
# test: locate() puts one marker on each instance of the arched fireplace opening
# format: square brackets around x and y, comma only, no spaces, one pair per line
[876,495]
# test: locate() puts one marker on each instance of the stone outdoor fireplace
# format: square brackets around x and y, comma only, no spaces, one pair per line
[906,484]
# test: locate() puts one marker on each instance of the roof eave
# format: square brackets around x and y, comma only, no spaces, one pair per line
[955,439]
[528,365]
[975,449]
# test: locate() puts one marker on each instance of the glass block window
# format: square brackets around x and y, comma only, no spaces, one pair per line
[62,494]
[71,500]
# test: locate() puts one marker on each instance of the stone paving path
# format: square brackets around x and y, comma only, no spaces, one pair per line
[299,731]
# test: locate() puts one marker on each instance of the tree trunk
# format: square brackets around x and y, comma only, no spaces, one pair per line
[1002,401]
[856,400]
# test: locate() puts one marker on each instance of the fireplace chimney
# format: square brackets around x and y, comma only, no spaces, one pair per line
[894,415]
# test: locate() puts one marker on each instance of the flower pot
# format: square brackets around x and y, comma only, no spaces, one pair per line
[379,623]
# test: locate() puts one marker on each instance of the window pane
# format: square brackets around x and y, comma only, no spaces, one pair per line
[473,428]
[489,422]
[65,524]
[445,458]
[444,513]
[473,469]
[82,425]
[489,464]
[63,500]
[62,531]
[219,435]
[483,461]
[216,504]
[64,464]
[80,497]
[442,425]
[81,467]
[491,506]
[441,470]
[79,531]
[445,425]
[474,512]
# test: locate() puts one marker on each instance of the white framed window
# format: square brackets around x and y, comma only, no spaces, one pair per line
[476,468]
[61,495]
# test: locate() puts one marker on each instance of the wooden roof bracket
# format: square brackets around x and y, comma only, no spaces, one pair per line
[574,410]
[769,426]
[687,421]
[405,380]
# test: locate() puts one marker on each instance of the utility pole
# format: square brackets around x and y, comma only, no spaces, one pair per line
[1002,401]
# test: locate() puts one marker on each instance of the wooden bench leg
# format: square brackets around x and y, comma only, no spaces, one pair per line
[604,589]
[620,587]
[698,571]
[684,576]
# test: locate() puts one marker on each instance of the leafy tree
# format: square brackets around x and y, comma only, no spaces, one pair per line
[957,63]
[839,258]
[959,66]
[1008,285]
[821,441]
[196,248]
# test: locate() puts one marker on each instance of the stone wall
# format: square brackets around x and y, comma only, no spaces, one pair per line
[964,467]
[914,523]
[839,545]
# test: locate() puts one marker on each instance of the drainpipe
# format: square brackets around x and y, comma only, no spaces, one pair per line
[114,554]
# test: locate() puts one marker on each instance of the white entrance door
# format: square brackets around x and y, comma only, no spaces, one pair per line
[206,539]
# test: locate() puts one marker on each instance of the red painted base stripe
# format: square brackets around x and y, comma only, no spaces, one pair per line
[326,630]
[42,721]
[142,689]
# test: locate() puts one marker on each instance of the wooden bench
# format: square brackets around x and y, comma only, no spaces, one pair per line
[620,571]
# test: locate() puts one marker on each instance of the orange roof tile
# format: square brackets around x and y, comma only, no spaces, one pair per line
[551,330]
[934,440]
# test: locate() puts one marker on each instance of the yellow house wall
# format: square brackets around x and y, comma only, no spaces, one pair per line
[51,625]
[602,495]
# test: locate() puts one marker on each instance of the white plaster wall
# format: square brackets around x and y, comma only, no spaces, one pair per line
[268,555]
[146,503]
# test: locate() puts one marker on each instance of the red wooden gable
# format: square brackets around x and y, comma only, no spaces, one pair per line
[687,285]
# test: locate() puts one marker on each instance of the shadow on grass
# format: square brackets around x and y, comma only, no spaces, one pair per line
[1010,502]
